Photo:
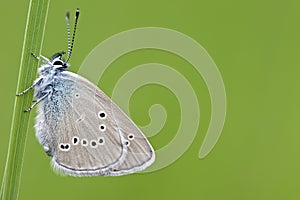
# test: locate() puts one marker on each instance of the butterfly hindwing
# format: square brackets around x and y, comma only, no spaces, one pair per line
[140,154]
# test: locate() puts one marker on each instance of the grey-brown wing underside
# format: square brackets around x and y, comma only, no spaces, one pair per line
[102,139]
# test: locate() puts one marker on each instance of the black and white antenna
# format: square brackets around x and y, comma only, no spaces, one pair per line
[71,43]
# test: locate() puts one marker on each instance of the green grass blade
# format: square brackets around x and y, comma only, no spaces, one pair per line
[33,40]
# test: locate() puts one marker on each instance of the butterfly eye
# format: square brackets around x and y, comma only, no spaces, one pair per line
[57,63]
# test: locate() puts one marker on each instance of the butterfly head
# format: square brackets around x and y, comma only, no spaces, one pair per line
[58,62]
[55,64]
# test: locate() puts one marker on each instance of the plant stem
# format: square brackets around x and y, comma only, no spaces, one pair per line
[33,39]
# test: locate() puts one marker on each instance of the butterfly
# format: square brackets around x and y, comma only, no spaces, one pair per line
[79,126]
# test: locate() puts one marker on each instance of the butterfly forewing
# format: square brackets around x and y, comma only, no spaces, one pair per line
[95,143]
[102,139]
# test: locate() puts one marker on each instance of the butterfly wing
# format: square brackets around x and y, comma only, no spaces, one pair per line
[96,137]
[140,153]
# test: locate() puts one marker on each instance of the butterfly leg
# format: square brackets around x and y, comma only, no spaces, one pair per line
[42,59]
[38,101]
[38,81]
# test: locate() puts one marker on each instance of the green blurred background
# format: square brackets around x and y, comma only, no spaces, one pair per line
[255,45]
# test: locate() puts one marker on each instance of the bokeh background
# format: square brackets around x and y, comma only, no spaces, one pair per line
[255,45]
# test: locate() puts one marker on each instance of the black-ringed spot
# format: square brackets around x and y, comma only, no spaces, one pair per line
[101,140]
[75,140]
[102,127]
[77,95]
[64,147]
[93,143]
[84,142]
[102,115]
[130,136]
